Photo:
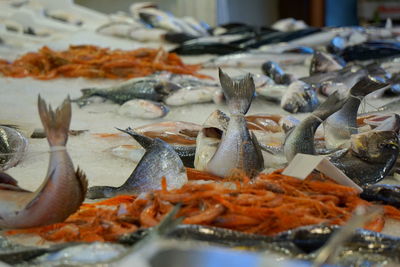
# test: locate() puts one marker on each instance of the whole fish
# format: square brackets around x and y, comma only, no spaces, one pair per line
[255,59]
[370,158]
[62,191]
[160,160]
[299,97]
[13,146]
[324,62]
[301,138]
[185,152]
[206,48]
[238,152]
[276,73]
[142,88]
[371,50]
[342,124]
[189,95]
[143,109]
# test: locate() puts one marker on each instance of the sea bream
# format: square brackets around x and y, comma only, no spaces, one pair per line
[62,191]
[238,153]
[342,124]
[160,160]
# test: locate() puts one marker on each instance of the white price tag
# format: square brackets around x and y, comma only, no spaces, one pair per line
[302,165]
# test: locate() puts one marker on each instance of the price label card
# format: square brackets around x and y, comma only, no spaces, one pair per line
[302,165]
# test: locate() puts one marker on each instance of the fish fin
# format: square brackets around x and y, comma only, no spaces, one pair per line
[7,179]
[367,85]
[238,94]
[82,181]
[143,140]
[257,146]
[55,123]
[332,104]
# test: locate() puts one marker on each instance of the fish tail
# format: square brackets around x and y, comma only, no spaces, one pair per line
[143,140]
[55,123]
[332,104]
[238,94]
[367,85]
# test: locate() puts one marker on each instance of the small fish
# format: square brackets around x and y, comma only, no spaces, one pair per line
[342,124]
[299,97]
[275,72]
[13,145]
[324,62]
[62,191]
[143,109]
[160,160]
[185,152]
[158,19]
[301,138]
[238,150]
[370,158]
[202,94]
[142,88]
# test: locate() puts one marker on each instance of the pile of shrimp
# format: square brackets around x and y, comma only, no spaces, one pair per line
[270,204]
[94,62]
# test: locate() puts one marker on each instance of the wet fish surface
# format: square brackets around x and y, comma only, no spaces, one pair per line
[160,160]
[238,151]
[299,97]
[371,157]
[13,145]
[62,191]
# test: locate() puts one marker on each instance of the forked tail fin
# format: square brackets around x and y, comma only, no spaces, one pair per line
[238,94]
[55,123]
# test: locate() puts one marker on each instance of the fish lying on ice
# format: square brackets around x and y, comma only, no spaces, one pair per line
[160,160]
[299,97]
[342,124]
[142,88]
[323,62]
[238,152]
[143,109]
[301,138]
[370,158]
[13,145]
[63,190]
[275,72]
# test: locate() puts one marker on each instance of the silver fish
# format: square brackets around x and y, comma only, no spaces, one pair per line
[323,62]
[143,109]
[238,150]
[185,152]
[201,94]
[301,138]
[299,97]
[13,145]
[255,59]
[160,160]
[345,80]
[370,158]
[143,88]
[342,124]
[62,191]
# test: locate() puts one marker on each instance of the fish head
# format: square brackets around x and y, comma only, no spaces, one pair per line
[375,146]
[300,97]
[165,87]
[218,120]
[323,62]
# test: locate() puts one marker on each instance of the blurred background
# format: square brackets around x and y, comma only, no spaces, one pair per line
[266,12]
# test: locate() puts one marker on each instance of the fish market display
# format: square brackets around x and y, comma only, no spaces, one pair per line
[94,62]
[62,191]
[265,206]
